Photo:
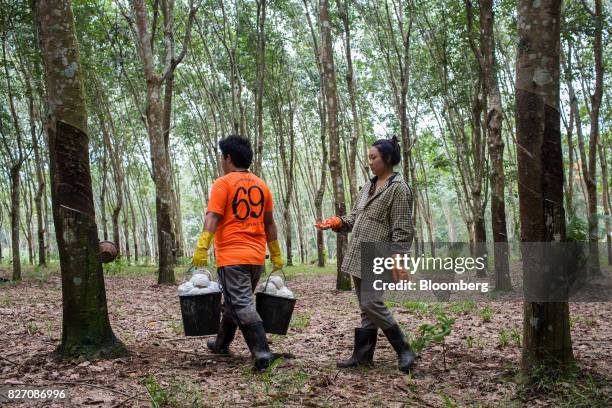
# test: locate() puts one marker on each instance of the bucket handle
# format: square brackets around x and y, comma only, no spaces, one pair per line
[191,268]
[270,275]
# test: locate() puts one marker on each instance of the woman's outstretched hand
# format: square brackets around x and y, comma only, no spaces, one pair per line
[332,222]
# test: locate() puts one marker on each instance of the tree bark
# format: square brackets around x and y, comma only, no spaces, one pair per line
[161,177]
[126,230]
[16,160]
[591,180]
[546,329]
[86,328]
[103,193]
[343,281]
[167,114]
[161,166]
[26,225]
[322,110]
[112,145]
[1,234]
[494,118]
[260,80]
[15,216]
[302,240]
[606,199]
[40,179]
[133,215]
[145,230]
[425,205]
[478,144]
[350,83]
[288,164]
[318,201]
[569,128]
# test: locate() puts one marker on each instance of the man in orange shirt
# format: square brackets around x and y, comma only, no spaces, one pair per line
[239,217]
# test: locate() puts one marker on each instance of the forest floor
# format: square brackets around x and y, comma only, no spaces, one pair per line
[164,368]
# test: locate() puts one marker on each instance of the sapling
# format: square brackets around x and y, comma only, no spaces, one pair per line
[434,333]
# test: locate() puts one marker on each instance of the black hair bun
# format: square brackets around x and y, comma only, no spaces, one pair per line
[389,149]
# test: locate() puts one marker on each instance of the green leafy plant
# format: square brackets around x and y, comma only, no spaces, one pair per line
[504,338]
[300,321]
[31,328]
[159,396]
[486,313]
[448,401]
[116,266]
[6,301]
[414,306]
[469,340]
[576,229]
[516,336]
[434,333]
[578,319]
[464,307]
[571,389]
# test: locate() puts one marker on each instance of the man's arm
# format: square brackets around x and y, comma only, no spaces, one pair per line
[269,226]
[211,221]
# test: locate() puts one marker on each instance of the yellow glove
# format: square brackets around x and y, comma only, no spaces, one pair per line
[275,255]
[200,255]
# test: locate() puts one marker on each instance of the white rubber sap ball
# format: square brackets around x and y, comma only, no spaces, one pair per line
[200,280]
[270,288]
[185,288]
[285,292]
[277,281]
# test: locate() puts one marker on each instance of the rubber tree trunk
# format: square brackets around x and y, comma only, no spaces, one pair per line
[86,329]
[343,281]
[343,12]
[494,119]
[15,215]
[260,84]
[177,225]
[591,181]
[103,195]
[546,330]
[160,165]
[27,225]
[606,199]
[134,226]
[318,201]
[40,179]
[163,194]
[321,109]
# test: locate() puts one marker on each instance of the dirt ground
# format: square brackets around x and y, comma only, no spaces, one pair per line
[165,368]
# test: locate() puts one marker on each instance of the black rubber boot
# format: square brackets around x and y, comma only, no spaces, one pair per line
[363,350]
[405,356]
[220,344]
[255,337]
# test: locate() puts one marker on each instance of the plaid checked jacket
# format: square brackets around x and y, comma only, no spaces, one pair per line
[386,216]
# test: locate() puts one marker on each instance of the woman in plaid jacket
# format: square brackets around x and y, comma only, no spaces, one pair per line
[382,213]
